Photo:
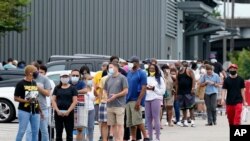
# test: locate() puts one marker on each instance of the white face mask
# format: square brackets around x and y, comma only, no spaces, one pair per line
[203,71]
[89,83]
[198,65]
[130,66]
[74,79]
[65,80]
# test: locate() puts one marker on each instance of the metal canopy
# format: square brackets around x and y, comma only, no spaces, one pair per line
[198,19]
[239,1]
[194,7]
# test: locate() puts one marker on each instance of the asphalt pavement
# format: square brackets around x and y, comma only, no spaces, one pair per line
[219,132]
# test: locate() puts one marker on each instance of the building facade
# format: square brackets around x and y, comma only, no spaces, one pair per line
[146,28]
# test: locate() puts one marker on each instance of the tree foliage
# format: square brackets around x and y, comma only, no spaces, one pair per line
[12,16]
[242,59]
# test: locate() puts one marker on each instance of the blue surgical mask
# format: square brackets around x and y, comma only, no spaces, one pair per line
[111,71]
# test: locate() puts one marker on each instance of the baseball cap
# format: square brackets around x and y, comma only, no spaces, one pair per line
[134,59]
[105,63]
[64,74]
[147,61]
[233,66]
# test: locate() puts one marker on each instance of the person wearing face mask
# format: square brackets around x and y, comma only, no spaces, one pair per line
[115,59]
[26,92]
[155,90]
[44,89]
[233,91]
[173,73]
[212,81]
[168,96]
[200,92]
[80,86]
[186,92]
[64,101]
[43,71]
[137,81]
[116,88]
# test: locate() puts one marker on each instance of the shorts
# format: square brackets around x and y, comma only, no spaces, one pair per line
[186,101]
[169,101]
[134,117]
[102,112]
[116,115]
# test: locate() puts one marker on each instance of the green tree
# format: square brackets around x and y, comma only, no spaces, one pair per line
[242,59]
[12,16]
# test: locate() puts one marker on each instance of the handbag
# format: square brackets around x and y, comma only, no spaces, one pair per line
[166,95]
[244,114]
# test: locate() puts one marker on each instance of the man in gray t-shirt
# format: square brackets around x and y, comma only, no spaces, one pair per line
[116,88]
[44,88]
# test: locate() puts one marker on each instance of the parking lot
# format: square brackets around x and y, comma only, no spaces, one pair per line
[220,132]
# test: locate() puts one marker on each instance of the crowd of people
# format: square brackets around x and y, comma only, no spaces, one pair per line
[115,95]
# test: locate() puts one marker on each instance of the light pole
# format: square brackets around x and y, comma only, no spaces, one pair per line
[225,38]
[232,26]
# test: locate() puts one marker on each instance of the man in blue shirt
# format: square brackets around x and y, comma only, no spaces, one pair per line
[211,81]
[137,82]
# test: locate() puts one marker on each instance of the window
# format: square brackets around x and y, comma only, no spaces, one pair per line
[55,78]
[56,67]
[79,65]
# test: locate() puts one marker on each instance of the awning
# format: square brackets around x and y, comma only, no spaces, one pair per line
[198,18]
[195,7]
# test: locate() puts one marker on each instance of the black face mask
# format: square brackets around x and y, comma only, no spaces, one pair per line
[178,68]
[35,74]
[232,72]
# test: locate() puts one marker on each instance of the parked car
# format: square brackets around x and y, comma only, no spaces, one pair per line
[94,64]
[11,74]
[76,61]
[9,107]
[79,56]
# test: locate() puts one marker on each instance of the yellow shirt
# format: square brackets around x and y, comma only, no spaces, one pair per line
[97,78]
[101,86]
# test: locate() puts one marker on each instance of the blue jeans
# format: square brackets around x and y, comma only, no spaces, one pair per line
[91,124]
[177,110]
[43,128]
[24,119]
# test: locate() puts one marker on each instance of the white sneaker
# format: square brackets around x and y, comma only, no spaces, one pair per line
[185,124]
[192,123]
[166,124]
[179,124]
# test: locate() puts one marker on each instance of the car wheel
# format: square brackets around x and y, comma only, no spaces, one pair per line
[7,111]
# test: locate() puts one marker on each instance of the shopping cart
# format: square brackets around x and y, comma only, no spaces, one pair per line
[80,117]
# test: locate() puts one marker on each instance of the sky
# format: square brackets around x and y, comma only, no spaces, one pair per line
[241,10]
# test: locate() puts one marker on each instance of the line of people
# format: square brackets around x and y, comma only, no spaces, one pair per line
[115,95]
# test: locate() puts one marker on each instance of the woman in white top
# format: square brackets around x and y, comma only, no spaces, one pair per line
[154,95]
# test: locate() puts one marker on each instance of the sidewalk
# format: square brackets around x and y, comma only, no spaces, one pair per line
[220,132]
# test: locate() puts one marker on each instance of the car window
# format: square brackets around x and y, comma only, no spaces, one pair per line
[56,67]
[79,65]
[10,76]
[55,78]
